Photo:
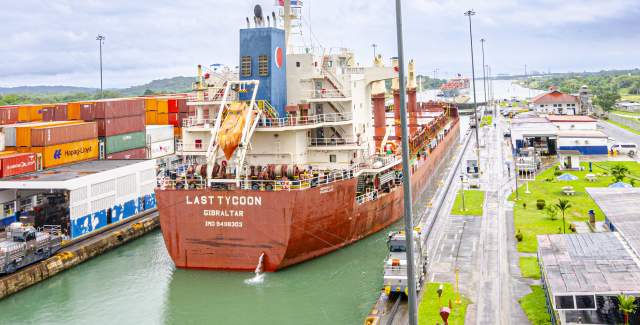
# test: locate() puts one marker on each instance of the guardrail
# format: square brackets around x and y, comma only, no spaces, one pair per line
[369,196]
[327,94]
[331,142]
[304,120]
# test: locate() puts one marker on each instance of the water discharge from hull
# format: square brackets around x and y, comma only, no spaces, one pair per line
[259,274]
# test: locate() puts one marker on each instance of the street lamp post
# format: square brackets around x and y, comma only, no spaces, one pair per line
[484,73]
[406,178]
[462,191]
[473,76]
[374,49]
[100,40]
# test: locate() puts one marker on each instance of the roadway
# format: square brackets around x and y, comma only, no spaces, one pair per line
[619,134]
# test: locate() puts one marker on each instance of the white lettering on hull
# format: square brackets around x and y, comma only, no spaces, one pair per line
[223,224]
[223,200]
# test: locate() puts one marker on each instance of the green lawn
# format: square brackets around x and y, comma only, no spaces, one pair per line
[624,127]
[529,267]
[473,203]
[535,306]
[532,222]
[429,309]
[486,120]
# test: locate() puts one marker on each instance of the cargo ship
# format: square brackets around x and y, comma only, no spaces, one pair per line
[296,158]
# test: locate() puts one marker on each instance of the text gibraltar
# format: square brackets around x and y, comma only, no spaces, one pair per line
[223,200]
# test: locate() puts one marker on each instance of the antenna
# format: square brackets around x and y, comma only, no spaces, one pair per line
[268,21]
[257,11]
[248,23]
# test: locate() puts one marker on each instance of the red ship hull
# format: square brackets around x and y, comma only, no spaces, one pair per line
[229,230]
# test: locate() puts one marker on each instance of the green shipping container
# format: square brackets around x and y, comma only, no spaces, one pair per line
[122,142]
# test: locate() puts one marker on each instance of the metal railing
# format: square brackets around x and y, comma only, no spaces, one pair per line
[304,120]
[327,93]
[353,70]
[184,147]
[369,196]
[331,142]
[307,181]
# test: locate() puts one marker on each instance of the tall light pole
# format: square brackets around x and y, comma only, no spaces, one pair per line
[473,76]
[374,49]
[406,176]
[100,40]
[484,73]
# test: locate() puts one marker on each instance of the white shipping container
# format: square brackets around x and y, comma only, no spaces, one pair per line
[9,136]
[2,141]
[158,133]
[162,148]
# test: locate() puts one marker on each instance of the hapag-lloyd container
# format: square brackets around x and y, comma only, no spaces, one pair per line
[16,164]
[8,114]
[43,136]
[132,154]
[123,142]
[120,125]
[162,148]
[66,153]
[156,133]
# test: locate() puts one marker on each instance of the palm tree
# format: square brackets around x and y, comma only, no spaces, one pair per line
[563,206]
[619,172]
[627,306]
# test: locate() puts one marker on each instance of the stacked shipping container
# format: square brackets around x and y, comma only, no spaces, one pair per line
[160,141]
[121,126]
[167,110]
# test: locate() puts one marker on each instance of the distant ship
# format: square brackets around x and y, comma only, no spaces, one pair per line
[295,159]
[456,90]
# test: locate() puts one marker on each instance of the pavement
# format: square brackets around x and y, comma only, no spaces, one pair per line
[619,134]
[482,248]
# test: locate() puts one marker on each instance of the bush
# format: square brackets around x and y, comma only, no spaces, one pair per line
[557,173]
[524,205]
[540,204]
[519,236]
[572,227]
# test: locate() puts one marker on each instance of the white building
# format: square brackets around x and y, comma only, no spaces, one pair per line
[586,142]
[556,102]
[535,132]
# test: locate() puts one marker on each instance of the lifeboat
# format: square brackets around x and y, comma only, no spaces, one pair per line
[230,132]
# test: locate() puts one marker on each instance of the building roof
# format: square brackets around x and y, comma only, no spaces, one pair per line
[529,120]
[570,118]
[620,206]
[581,134]
[588,263]
[74,175]
[554,97]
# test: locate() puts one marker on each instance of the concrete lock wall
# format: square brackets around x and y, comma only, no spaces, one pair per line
[626,121]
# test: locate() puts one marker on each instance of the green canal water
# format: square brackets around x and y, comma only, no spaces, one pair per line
[138,284]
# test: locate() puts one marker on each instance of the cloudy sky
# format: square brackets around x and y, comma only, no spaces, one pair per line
[52,42]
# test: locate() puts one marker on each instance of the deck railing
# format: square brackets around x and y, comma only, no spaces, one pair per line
[305,120]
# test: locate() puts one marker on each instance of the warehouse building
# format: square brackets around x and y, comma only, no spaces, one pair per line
[535,132]
[82,197]
[583,273]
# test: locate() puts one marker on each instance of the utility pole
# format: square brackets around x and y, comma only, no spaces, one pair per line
[473,76]
[462,191]
[100,40]
[484,73]
[406,178]
[526,78]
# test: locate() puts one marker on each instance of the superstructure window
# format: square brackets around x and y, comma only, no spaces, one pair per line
[298,64]
[332,158]
[245,66]
[263,66]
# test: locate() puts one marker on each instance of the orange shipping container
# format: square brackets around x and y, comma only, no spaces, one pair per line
[177,132]
[67,153]
[163,119]
[150,104]
[151,117]
[73,110]
[30,113]
[163,106]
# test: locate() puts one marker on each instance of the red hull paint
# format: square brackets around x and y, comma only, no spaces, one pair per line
[289,227]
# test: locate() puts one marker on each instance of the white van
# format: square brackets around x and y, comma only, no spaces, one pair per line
[625,148]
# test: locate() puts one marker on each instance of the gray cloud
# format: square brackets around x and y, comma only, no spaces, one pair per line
[53,42]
